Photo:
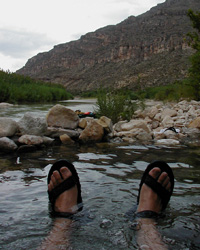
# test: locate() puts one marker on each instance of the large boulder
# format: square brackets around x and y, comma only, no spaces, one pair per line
[60,116]
[31,124]
[7,144]
[93,132]
[8,127]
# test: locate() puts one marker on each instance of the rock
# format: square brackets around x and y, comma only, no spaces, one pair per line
[60,116]
[106,123]
[157,117]
[167,122]
[65,139]
[191,132]
[8,127]
[31,140]
[144,136]
[171,135]
[129,134]
[155,124]
[159,136]
[47,140]
[168,112]
[129,140]
[152,112]
[31,124]
[82,123]
[57,132]
[92,133]
[135,124]
[167,142]
[7,144]
[195,123]
[118,126]
[5,105]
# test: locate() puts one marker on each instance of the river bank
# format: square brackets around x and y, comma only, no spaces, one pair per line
[160,124]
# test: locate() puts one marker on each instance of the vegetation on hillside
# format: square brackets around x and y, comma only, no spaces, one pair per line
[16,88]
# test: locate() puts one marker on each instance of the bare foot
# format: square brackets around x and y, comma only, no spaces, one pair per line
[149,200]
[67,201]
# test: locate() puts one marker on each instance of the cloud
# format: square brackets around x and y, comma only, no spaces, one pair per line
[18,43]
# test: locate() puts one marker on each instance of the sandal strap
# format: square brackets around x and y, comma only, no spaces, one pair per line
[157,188]
[62,187]
[147,214]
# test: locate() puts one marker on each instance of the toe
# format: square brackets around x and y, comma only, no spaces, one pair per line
[164,180]
[155,172]
[168,186]
[56,178]
[66,173]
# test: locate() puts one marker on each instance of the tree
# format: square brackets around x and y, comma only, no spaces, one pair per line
[194,42]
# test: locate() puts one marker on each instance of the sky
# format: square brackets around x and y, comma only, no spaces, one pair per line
[28,27]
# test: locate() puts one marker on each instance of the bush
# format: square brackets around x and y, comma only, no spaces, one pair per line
[115,105]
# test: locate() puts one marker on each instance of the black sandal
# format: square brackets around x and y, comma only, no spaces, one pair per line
[156,187]
[62,187]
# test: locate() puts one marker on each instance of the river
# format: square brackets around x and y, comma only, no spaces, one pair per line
[109,175]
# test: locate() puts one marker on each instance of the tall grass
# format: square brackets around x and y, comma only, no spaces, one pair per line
[15,88]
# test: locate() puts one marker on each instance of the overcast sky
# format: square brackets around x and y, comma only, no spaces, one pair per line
[28,27]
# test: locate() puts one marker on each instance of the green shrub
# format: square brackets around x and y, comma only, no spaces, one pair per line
[114,104]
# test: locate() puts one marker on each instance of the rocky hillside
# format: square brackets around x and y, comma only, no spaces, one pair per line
[141,51]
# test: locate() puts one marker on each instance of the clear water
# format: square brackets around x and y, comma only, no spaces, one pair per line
[109,175]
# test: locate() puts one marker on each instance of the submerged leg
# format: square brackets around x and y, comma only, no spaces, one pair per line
[66,202]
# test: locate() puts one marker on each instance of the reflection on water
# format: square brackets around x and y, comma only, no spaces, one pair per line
[110,176]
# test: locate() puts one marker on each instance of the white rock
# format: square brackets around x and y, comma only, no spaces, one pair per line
[31,124]
[5,105]
[31,139]
[167,142]
[168,112]
[106,123]
[118,126]
[8,127]
[167,122]
[60,116]
[135,124]
[157,117]
[152,112]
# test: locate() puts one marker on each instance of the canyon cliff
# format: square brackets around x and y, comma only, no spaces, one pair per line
[142,51]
